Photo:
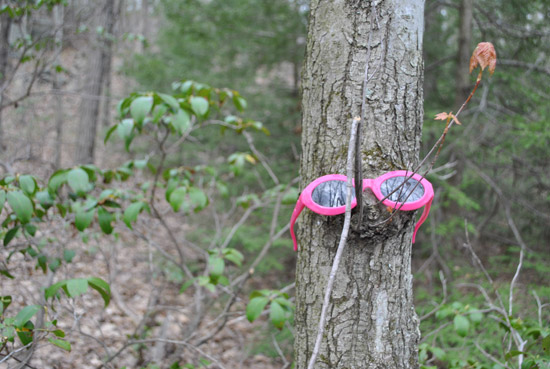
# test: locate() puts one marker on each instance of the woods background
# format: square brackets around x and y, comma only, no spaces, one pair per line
[480,263]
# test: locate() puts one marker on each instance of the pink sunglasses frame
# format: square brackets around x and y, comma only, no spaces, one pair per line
[306,199]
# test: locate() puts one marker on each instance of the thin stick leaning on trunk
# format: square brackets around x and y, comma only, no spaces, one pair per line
[341,244]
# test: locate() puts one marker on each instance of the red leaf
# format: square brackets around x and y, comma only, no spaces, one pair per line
[442,116]
[484,55]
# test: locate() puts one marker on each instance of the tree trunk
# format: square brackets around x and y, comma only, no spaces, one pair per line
[462,77]
[108,60]
[371,322]
[59,111]
[463,87]
[89,106]
[5,23]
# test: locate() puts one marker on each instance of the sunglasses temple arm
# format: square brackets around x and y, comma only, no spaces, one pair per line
[423,217]
[297,210]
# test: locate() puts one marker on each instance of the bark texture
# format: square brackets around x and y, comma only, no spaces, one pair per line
[463,82]
[95,75]
[371,322]
[5,23]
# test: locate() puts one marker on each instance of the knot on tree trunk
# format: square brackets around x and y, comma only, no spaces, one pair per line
[379,222]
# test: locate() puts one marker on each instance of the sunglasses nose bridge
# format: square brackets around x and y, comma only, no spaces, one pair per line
[367,183]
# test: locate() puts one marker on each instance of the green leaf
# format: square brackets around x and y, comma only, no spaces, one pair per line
[5,301]
[25,315]
[177,197]
[6,273]
[199,105]
[78,181]
[77,287]
[255,308]
[277,315]
[2,199]
[68,255]
[65,345]
[476,316]
[124,128]
[290,197]
[45,199]
[131,213]
[198,198]
[105,219]
[444,312]
[30,229]
[462,325]
[234,256]
[216,265]
[546,344]
[21,204]
[57,180]
[59,333]
[240,103]
[513,353]
[158,113]
[52,290]
[181,121]
[186,86]
[125,132]
[102,287]
[109,133]
[186,285]
[170,100]
[140,107]
[25,333]
[10,235]
[27,184]
[83,219]
[438,353]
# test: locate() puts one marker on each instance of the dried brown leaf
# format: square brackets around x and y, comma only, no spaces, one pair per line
[484,56]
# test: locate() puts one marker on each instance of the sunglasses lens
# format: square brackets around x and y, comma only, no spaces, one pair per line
[330,194]
[402,189]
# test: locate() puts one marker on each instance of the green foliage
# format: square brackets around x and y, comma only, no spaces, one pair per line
[458,331]
[86,197]
[250,45]
[280,307]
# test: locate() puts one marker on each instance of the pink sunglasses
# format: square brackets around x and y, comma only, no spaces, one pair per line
[399,189]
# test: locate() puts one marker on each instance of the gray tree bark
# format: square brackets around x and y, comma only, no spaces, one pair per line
[462,76]
[371,322]
[89,106]
[5,23]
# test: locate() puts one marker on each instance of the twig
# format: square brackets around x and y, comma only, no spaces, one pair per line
[341,245]
[512,225]
[443,301]
[539,305]
[260,157]
[286,364]
[490,357]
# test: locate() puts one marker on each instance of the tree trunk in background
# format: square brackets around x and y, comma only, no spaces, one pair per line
[462,77]
[59,111]
[145,24]
[108,60]
[463,87]
[5,23]
[371,322]
[89,106]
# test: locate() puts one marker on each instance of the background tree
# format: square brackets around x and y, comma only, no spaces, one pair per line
[371,322]
[102,16]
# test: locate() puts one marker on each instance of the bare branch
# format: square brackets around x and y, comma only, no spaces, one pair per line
[341,245]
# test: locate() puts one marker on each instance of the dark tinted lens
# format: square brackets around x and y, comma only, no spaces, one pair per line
[330,194]
[406,189]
